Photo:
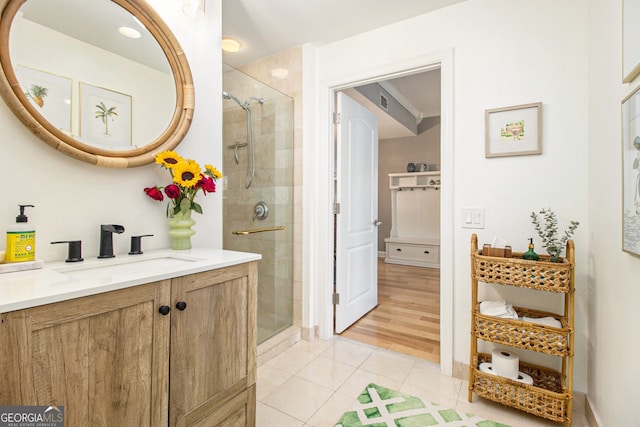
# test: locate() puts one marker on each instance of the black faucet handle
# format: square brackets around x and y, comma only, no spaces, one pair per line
[75,250]
[136,244]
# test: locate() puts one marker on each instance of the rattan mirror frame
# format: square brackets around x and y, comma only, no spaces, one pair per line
[180,122]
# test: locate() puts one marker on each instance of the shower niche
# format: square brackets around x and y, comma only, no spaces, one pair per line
[258,190]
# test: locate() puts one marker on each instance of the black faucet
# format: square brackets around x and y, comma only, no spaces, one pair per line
[106,239]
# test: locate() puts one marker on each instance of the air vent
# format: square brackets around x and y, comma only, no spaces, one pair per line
[384,102]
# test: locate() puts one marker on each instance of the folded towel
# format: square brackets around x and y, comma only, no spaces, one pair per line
[547,321]
[498,309]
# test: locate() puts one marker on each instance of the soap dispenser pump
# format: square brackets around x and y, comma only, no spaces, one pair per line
[21,240]
[530,254]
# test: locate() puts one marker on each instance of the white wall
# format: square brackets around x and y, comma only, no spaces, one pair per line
[614,291]
[73,198]
[506,52]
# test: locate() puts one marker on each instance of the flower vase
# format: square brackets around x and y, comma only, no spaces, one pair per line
[180,229]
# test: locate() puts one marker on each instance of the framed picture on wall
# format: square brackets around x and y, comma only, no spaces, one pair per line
[630,40]
[105,117]
[49,93]
[513,131]
[631,173]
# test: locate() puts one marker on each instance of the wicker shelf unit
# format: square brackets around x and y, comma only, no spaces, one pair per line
[550,396]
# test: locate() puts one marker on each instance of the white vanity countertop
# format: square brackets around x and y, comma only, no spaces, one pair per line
[59,281]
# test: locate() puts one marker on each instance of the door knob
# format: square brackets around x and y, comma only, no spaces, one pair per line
[377,223]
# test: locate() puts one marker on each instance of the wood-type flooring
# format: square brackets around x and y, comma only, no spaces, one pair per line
[407,317]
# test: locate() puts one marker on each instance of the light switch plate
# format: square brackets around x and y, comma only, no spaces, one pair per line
[472,217]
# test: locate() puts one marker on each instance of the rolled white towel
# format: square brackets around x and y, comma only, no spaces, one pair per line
[547,321]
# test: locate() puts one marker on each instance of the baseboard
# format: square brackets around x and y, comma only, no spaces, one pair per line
[310,334]
[382,254]
[591,414]
[460,370]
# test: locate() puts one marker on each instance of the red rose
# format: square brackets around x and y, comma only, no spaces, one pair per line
[207,184]
[154,193]
[172,191]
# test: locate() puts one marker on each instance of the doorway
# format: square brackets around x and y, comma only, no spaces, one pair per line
[407,308]
[320,210]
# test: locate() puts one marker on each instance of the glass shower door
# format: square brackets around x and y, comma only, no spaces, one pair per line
[258,217]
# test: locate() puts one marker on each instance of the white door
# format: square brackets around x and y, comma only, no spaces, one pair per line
[356,224]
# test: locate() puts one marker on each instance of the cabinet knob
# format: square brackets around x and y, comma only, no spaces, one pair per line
[164,310]
[181,305]
[426,252]
[399,250]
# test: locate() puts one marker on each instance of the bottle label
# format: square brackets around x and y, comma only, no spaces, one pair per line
[21,246]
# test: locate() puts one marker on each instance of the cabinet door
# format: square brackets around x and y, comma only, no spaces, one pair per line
[103,357]
[213,346]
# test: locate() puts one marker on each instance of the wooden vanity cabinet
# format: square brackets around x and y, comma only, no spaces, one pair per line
[213,348]
[115,359]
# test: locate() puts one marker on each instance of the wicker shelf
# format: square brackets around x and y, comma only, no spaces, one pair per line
[550,396]
[547,397]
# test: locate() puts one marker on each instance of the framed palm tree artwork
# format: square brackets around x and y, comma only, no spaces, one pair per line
[105,118]
[48,93]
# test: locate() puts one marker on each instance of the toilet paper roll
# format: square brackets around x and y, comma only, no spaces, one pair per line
[505,363]
[522,377]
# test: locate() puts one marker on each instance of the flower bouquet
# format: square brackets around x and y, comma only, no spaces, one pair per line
[187,180]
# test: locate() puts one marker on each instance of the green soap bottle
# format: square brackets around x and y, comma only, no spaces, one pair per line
[530,254]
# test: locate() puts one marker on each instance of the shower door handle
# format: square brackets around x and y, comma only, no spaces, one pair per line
[258,230]
[377,223]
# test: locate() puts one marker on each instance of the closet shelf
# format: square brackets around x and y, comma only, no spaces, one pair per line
[413,180]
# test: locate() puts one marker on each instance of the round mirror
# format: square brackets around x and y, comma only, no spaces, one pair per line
[103,81]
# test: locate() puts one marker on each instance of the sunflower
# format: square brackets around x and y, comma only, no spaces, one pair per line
[186,173]
[213,171]
[168,159]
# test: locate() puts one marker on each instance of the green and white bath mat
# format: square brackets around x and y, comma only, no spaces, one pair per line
[381,407]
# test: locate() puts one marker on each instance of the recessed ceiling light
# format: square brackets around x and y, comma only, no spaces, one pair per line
[280,73]
[129,32]
[231,45]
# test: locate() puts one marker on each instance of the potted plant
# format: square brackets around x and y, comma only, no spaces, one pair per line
[548,232]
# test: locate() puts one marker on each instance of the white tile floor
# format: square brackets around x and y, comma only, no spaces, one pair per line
[312,384]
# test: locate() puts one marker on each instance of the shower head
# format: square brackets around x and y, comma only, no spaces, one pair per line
[227,95]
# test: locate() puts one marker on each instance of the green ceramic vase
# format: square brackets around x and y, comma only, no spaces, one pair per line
[180,229]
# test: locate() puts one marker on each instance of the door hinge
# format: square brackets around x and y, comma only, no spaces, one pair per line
[336,299]
[336,208]
[336,118]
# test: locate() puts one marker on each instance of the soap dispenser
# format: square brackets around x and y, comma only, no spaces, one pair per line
[21,240]
[530,254]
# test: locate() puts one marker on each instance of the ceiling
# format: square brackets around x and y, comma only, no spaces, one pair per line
[267,27]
